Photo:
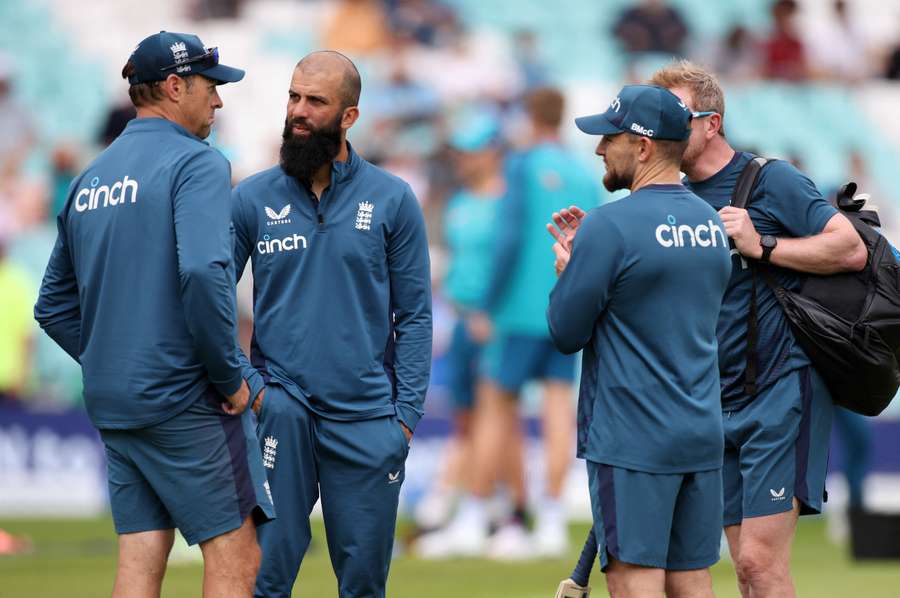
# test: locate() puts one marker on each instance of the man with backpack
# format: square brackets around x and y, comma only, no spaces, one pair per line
[776,408]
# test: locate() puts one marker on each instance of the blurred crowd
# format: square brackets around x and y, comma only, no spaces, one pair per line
[428,75]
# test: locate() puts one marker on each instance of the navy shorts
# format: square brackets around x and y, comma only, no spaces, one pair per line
[200,471]
[776,449]
[512,360]
[665,521]
[463,364]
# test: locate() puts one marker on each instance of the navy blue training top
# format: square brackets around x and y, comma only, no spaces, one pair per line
[140,286]
[785,203]
[641,296]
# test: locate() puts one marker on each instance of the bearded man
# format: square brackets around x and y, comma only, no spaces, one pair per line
[342,332]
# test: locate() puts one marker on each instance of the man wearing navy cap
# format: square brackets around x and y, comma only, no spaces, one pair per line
[140,291]
[639,291]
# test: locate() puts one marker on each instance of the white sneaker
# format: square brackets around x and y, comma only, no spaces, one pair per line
[551,539]
[511,543]
[435,509]
[455,540]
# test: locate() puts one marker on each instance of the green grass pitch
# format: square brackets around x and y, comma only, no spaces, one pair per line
[76,558]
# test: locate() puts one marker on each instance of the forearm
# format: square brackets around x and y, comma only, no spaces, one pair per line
[412,372]
[825,253]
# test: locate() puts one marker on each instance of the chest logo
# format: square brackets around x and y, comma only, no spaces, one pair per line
[278,217]
[364,215]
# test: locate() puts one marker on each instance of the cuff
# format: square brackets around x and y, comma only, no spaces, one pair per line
[230,386]
[408,415]
[255,382]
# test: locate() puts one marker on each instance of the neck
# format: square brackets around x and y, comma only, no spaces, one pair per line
[322,178]
[716,156]
[161,111]
[543,134]
[658,173]
[491,184]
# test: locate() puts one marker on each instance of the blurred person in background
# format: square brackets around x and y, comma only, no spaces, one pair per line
[652,26]
[139,290]
[117,117]
[856,434]
[17,296]
[358,27]
[737,55]
[469,222]
[534,71]
[342,333]
[540,180]
[784,54]
[64,167]
[778,426]
[17,133]
[426,21]
[891,68]
[840,50]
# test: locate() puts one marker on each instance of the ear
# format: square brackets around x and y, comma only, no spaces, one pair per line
[349,117]
[714,125]
[645,148]
[174,87]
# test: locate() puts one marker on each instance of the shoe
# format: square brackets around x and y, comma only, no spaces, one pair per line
[569,589]
[435,509]
[455,540]
[551,539]
[511,543]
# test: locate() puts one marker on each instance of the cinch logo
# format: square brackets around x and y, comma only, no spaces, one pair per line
[640,130]
[674,235]
[89,199]
[269,245]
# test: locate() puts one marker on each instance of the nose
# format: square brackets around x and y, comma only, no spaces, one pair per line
[298,110]
[217,100]
[601,147]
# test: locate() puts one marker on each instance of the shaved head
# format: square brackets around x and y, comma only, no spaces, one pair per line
[330,62]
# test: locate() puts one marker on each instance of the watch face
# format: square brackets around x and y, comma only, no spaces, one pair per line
[767,241]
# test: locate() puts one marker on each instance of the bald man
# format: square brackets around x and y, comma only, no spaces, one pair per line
[342,333]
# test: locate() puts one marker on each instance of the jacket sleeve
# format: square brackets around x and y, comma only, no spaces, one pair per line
[203,235]
[58,308]
[243,247]
[583,290]
[410,276]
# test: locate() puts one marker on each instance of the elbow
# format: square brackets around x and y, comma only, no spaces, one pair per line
[564,344]
[856,259]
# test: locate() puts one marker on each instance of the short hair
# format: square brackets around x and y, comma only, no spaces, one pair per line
[545,105]
[668,150]
[703,85]
[146,94]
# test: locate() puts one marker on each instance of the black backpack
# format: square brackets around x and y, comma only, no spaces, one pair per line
[847,323]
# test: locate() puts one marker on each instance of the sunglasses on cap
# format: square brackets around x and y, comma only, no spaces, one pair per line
[207,60]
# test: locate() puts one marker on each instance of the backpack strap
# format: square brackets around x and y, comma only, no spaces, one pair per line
[740,198]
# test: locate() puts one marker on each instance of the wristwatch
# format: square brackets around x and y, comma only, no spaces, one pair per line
[768,243]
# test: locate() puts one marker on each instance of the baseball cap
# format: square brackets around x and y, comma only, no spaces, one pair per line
[647,110]
[166,53]
[475,132]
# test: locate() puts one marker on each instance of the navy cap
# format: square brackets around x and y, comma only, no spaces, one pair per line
[647,110]
[166,53]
